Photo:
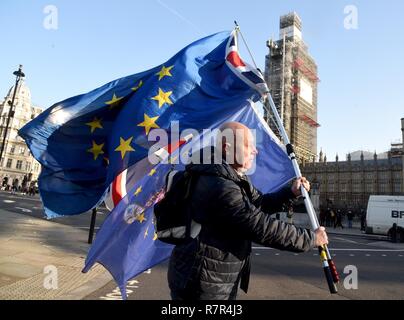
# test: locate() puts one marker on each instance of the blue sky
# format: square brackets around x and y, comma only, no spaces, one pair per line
[361,71]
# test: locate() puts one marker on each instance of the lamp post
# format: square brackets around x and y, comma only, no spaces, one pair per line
[315,195]
[18,74]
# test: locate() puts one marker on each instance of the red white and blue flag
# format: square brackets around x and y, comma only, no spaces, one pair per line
[128,177]
[243,70]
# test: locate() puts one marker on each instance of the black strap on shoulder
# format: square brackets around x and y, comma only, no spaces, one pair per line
[190,185]
[246,187]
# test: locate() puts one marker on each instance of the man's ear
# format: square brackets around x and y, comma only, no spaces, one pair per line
[226,147]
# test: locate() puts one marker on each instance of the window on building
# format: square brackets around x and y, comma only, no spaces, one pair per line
[370,175]
[343,187]
[27,166]
[9,163]
[397,187]
[36,167]
[356,198]
[383,176]
[369,187]
[356,187]
[19,164]
[12,149]
[21,150]
[383,188]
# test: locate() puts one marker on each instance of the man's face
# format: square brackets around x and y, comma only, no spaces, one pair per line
[245,150]
[249,151]
[238,145]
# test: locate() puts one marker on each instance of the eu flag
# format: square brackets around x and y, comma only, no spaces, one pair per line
[84,142]
[127,244]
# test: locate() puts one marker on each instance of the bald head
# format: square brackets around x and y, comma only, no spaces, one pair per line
[234,126]
[237,144]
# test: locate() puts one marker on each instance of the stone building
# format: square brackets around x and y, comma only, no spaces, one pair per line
[348,184]
[18,168]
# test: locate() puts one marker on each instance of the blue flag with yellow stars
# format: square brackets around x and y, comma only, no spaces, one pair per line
[84,142]
[127,245]
[201,87]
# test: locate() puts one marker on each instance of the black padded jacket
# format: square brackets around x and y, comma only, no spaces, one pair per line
[233,214]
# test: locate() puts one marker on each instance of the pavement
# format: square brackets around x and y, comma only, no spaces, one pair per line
[354,231]
[42,260]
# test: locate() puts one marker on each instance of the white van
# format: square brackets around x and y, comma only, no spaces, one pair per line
[382,212]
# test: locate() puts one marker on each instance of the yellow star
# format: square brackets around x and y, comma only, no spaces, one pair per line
[96,149]
[155,237]
[146,232]
[140,217]
[138,190]
[152,171]
[114,101]
[124,146]
[136,88]
[96,123]
[148,123]
[163,97]
[164,72]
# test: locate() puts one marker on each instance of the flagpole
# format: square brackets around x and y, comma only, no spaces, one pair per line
[329,267]
[92,226]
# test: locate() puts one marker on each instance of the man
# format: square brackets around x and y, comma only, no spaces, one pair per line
[350,217]
[338,220]
[232,214]
[363,220]
[392,233]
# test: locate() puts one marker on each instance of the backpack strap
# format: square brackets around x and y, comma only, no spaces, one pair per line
[190,186]
[246,187]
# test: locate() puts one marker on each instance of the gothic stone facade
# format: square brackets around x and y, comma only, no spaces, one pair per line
[348,184]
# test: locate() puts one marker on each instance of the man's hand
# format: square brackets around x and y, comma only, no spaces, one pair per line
[321,237]
[296,186]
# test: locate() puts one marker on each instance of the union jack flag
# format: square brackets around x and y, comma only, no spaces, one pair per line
[243,70]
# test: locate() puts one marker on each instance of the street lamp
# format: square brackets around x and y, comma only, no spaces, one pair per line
[18,74]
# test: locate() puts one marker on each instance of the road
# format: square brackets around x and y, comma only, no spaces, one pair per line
[284,275]
[275,274]
[32,206]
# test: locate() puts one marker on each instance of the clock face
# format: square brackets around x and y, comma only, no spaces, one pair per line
[291,31]
[306,91]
